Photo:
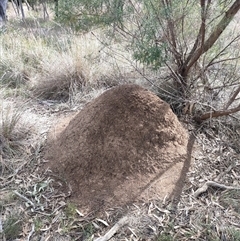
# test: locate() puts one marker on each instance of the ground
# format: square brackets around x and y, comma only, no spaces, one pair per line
[37,207]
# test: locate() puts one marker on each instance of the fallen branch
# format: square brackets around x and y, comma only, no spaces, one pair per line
[123,221]
[214,114]
[213,184]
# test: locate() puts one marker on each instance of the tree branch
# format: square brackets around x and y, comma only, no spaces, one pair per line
[233,97]
[171,32]
[217,113]
[214,35]
[202,30]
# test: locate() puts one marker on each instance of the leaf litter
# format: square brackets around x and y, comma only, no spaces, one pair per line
[44,212]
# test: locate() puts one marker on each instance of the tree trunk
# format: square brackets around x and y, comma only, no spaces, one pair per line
[207,44]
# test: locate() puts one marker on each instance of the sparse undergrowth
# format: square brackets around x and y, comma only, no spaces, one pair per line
[66,67]
[56,64]
[41,211]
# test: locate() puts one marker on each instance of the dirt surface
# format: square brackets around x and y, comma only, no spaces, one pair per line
[124,146]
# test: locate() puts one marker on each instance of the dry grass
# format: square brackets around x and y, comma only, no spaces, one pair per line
[34,208]
[13,130]
[54,63]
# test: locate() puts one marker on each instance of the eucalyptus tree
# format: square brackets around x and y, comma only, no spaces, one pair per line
[186,36]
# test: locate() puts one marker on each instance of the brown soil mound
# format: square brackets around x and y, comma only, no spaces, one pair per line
[123,146]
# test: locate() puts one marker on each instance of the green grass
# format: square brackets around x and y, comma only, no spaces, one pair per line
[231,198]
[70,210]
[12,227]
[234,234]
[165,237]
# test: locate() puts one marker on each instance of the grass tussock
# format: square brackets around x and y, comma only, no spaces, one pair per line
[12,70]
[56,83]
[12,131]
[55,63]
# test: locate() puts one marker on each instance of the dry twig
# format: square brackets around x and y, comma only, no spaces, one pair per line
[213,184]
[123,221]
[24,198]
[31,233]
